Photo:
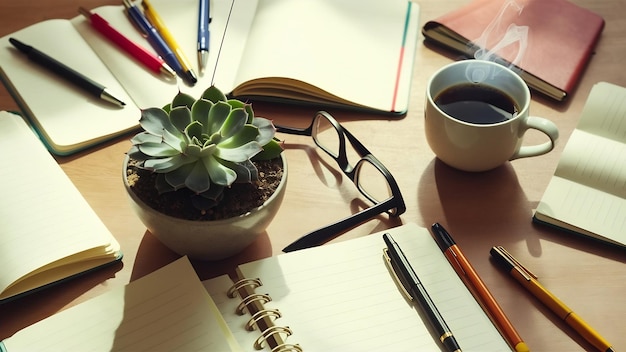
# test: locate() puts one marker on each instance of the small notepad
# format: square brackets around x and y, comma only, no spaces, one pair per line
[587,194]
[342,297]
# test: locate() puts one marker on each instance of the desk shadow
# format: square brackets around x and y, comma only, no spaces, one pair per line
[152,254]
[479,209]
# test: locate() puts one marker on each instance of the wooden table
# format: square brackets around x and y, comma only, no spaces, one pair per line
[480,210]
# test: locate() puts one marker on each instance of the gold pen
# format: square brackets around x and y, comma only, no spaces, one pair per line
[529,281]
[158,23]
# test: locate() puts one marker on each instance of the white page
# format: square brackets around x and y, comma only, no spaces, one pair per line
[166,310]
[351,48]
[44,217]
[67,114]
[343,296]
[588,189]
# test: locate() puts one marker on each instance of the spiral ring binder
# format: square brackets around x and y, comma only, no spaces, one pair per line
[272,335]
[263,298]
[262,314]
[287,347]
[254,283]
[260,341]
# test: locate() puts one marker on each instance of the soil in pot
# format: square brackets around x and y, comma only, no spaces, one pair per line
[239,199]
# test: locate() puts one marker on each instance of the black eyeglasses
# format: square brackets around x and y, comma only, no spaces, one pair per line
[369,175]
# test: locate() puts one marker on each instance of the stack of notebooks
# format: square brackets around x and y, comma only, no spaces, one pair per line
[587,194]
[548,42]
[353,54]
[331,298]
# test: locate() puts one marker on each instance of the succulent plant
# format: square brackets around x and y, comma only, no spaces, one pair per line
[204,145]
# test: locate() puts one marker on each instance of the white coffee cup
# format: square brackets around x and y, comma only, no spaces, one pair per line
[475,145]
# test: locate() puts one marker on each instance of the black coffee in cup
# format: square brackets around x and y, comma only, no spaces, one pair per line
[477,103]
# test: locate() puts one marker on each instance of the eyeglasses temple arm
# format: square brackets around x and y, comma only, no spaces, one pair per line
[325,234]
[297,131]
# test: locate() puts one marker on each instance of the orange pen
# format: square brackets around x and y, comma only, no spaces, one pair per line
[529,281]
[467,273]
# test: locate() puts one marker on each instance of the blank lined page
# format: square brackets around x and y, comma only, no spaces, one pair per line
[168,310]
[588,190]
[342,296]
[44,217]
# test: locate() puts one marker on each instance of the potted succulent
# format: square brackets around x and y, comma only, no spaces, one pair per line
[205,176]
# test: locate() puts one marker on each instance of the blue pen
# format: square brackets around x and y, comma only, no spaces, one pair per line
[153,36]
[203,33]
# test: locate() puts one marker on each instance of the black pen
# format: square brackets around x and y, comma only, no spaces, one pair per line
[417,292]
[66,72]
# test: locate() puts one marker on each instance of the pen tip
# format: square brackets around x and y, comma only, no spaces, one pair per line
[190,77]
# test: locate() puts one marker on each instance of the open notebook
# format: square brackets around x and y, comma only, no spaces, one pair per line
[335,297]
[587,194]
[350,53]
[48,231]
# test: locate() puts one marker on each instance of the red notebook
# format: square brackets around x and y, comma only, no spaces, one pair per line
[548,42]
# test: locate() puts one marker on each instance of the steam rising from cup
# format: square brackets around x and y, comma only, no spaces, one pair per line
[509,38]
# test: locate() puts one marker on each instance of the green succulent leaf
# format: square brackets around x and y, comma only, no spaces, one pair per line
[161,184]
[168,164]
[239,154]
[158,149]
[219,173]
[247,134]
[235,121]
[145,137]
[198,179]
[217,115]
[176,178]
[180,117]
[270,151]
[209,198]
[155,121]
[246,170]
[200,112]
[266,130]
[213,94]
[194,132]
[182,99]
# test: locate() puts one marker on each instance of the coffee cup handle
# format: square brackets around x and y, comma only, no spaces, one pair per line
[543,125]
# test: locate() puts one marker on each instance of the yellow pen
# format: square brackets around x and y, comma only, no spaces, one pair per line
[529,281]
[158,23]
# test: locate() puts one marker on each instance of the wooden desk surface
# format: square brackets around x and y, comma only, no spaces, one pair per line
[480,210]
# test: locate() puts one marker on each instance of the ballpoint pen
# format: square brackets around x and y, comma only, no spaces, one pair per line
[467,273]
[417,292]
[145,57]
[204,36]
[66,72]
[529,281]
[153,36]
[158,23]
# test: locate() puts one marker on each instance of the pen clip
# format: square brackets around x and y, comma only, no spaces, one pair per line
[397,279]
[516,264]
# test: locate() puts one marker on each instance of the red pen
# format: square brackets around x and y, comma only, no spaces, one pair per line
[148,59]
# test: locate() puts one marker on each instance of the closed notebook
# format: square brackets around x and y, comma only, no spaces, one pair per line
[548,42]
